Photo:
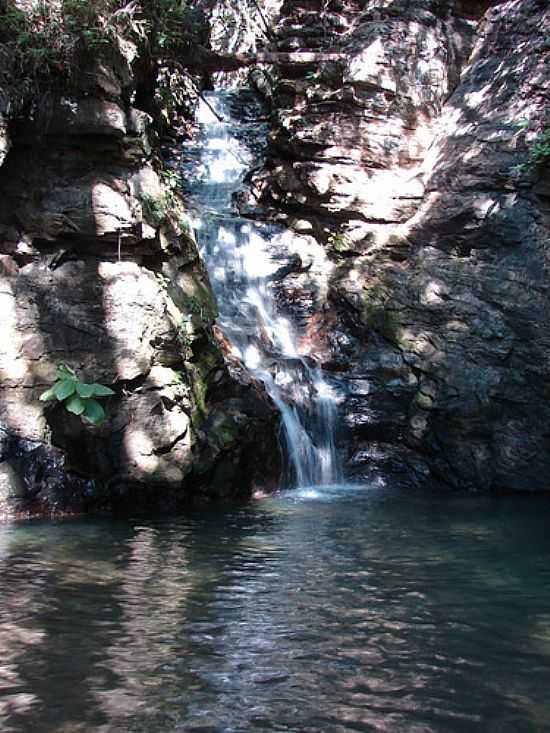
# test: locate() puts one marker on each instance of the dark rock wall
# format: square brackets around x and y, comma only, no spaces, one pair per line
[402,160]
[99,270]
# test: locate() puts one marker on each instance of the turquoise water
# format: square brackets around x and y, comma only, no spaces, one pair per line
[343,609]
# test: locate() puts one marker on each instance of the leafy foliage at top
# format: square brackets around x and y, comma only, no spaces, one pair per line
[47,39]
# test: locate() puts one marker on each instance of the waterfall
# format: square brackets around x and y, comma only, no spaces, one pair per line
[242,257]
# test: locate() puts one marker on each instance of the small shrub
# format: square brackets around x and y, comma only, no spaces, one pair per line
[79,398]
[167,205]
[312,76]
[539,150]
[340,242]
[171,179]
[155,208]
[162,281]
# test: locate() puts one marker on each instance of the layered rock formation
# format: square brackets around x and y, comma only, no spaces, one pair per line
[99,270]
[407,158]
[400,157]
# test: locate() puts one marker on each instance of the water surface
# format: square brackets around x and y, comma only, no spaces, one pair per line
[344,609]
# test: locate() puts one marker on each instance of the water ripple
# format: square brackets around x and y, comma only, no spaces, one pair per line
[377,612]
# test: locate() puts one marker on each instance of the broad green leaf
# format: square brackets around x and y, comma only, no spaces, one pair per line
[85,390]
[94,412]
[101,391]
[49,394]
[65,372]
[75,405]
[64,388]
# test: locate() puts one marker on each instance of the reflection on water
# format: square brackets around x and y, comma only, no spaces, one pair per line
[330,609]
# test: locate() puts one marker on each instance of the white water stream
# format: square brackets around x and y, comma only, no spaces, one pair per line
[241,256]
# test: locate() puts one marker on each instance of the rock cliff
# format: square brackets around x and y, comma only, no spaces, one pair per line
[99,270]
[409,159]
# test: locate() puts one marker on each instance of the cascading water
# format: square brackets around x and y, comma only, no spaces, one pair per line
[242,257]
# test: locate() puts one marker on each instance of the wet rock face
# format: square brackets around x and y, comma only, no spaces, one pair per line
[404,160]
[35,481]
[98,270]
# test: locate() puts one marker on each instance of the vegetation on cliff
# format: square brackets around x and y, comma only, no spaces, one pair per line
[45,45]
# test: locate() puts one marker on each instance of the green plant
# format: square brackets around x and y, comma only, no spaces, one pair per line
[312,76]
[167,205]
[79,398]
[162,281]
[155,208]
[93,38]
[194,306]
[539,150]
[184,226]
[171,178]
[340,242]
[171,18]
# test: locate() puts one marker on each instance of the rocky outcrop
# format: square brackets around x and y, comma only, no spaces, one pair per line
[351,135]
[409,164]
[99,270]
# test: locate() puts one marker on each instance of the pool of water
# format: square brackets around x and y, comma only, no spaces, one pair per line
[337,609]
